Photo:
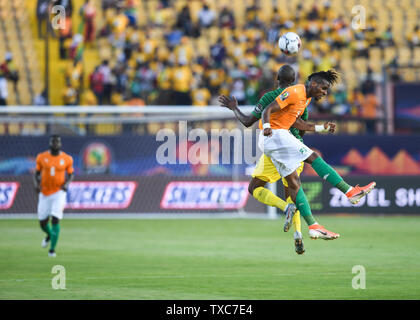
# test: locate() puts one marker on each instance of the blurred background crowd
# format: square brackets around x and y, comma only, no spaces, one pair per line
[176,52]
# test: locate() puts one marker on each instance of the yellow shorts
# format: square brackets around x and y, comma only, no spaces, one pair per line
[298,170]
[266,171]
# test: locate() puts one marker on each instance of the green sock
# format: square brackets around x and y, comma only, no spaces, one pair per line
[54,235]
[47,229]
[326,172]
[303,205]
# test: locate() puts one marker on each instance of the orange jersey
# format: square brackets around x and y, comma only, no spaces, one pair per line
[292,102]
[53,170]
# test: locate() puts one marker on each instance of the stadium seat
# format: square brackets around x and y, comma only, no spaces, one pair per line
[389,54]
[416,55]
[404,55]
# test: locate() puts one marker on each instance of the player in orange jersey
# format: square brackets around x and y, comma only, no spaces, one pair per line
[51,182]
[287,152]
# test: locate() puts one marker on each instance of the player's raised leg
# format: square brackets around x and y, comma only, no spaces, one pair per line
[326,172]
[298,196]
[265,172]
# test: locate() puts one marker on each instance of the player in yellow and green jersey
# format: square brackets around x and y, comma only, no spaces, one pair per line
[265,170]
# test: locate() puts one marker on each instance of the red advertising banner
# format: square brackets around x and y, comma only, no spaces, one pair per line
[8,191]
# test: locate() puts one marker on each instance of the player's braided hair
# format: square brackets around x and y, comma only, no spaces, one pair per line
[331,76]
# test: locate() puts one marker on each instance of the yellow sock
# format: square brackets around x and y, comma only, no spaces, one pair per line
[296,218]
[267,197]
[296,222]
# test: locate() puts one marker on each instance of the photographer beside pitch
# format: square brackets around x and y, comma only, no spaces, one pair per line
[51,182]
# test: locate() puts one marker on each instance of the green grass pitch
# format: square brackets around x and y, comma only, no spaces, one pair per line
[211,259]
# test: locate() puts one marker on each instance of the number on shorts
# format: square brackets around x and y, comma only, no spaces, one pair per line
[52,171]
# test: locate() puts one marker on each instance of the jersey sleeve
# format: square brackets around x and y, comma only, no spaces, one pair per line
[288,96]
[305,115]
[70,169]
[38,163]
[261,105]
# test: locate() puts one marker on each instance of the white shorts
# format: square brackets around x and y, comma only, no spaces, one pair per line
[286,151]
[52,205]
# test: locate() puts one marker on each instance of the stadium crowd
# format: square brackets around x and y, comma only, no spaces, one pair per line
[176,58]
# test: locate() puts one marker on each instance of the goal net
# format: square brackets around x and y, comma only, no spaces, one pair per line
[159,160]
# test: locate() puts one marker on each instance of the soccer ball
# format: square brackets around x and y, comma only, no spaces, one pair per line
[290,43]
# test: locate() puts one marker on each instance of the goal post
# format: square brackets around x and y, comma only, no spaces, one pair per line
[149,159]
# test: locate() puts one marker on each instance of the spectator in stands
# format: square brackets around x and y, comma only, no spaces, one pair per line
[206,17]
[360,46]
[218,52]
[184,21]
[75,48]
[88,13]
[393,71]
[413,38]
[226,18]
[313,14]
[108,4]
[65,36]
[252,19]
[3,90]
[131,12]
[120,72]
[356,100]
[70,96]
[200,95]
[252,90]
[173,37]
[273,33]
[67,4]
[340,107]
[165,3]
[42,17]
[105,70]
[181,82]
[96,80]
[387,38]
[41,98]
[146,78]
[369,111]
[238,91]
[368,86]
[8,70]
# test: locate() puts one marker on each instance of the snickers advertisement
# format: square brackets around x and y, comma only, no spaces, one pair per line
[175,194]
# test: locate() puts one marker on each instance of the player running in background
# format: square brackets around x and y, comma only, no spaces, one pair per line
[287,152]
[265,170]
[51,182]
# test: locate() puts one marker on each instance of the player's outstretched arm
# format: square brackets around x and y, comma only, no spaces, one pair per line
[272,107]
[232,104]
[307,126]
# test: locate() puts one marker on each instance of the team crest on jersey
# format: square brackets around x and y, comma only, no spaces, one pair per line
[61,162]
[284,96]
